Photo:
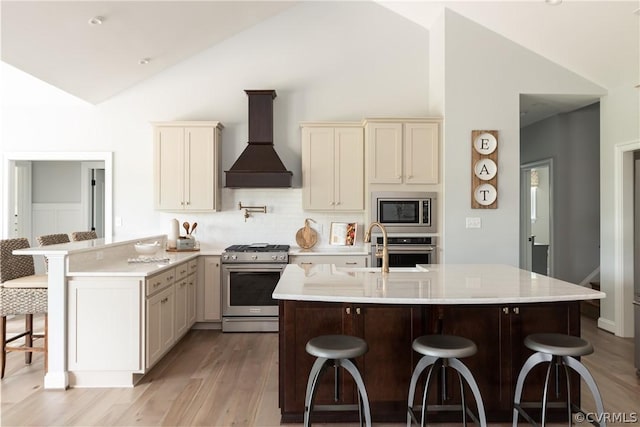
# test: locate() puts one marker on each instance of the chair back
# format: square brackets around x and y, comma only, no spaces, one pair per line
[14,266]
[76,236]
[53,239]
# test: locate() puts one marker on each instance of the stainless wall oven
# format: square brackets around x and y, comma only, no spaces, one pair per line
[405,211]
[250,273]
[407,251]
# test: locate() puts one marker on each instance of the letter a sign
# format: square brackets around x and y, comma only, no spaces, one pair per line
[484,167]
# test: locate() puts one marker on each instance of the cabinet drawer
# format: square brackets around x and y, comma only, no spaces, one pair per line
[182,270]
[192,266]
[339,260]
[160,281]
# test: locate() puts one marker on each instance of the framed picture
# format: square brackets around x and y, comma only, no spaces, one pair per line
[343,233]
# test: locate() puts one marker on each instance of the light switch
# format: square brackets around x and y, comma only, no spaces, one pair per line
[474,223]
[118,221]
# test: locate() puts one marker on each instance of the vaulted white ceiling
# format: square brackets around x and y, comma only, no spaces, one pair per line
[53,40]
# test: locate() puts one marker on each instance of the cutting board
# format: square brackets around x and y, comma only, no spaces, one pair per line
[306,237]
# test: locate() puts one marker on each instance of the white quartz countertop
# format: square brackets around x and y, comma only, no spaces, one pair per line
[437,284]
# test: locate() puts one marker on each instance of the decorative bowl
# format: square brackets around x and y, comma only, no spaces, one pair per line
[146,248]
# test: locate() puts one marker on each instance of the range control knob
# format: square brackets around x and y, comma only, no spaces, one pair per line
[281,257]
[234,256]
[274,257]
[254,257]
[225,257]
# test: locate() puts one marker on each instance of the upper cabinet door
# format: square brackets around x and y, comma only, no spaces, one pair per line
[385,159]
[169,168]
[421,153]
[318,168]
[200,169]
[349,169]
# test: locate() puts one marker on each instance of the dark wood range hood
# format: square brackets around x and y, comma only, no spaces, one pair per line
[259,166]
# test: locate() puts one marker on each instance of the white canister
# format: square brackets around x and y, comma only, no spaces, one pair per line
[174,233]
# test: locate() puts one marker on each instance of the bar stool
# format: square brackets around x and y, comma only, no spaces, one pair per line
[337,351]
[558,350]
[443,351]
[22,292]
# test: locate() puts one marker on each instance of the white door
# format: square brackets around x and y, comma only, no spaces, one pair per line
[536,217]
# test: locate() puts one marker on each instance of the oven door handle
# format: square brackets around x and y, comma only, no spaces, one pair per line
[255,268]
[409,249]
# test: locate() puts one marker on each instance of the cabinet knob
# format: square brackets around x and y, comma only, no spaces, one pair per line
[409,176]
[357,310]
[348,310]
[516,310]
[505,310]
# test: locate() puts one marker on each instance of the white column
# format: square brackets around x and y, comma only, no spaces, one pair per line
[57,376]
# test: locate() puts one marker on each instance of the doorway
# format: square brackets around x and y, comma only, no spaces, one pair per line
[95,204]
[536,217]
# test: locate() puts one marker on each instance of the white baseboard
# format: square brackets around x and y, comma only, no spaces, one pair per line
[607,325]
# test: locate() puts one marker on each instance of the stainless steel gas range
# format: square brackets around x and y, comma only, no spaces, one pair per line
[249,276]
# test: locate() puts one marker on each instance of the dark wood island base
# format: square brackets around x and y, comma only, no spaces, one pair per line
[389,329]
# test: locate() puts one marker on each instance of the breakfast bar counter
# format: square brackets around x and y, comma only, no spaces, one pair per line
[106,308]
[496,306]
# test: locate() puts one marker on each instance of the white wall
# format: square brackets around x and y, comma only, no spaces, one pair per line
[485,73]
[327,61]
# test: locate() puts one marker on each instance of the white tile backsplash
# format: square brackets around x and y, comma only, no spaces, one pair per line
[279,225]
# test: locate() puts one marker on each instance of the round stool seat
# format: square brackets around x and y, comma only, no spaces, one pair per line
[444,346]
[337,347]
[558,344]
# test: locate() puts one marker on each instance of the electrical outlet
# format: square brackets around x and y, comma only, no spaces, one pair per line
[118,221]
[474,223]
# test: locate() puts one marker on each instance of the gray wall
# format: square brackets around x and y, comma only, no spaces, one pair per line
[573,141]
[55,182]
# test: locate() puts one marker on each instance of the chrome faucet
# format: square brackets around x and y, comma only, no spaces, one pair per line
[384,254]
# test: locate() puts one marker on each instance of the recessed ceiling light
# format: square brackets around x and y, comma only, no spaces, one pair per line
[553,2]
[96,20]
[144,61]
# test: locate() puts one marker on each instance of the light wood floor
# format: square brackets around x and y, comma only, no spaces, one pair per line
[215,379]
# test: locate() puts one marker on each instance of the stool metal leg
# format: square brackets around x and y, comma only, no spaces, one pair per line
[533,360]
[588,379]
[545,393]
[462,400]
[423,364]
[316,370]
[466,373]
[362,391]
[425,396]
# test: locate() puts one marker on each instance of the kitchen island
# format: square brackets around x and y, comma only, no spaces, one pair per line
[494,305]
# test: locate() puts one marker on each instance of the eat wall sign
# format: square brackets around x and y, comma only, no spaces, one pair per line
[484,168]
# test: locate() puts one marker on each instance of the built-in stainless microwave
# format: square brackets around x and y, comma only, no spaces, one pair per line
[405,211]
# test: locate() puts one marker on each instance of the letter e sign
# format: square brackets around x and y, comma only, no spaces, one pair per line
[484,165]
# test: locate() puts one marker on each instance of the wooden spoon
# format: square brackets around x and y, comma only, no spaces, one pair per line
[193,227]
[185,225]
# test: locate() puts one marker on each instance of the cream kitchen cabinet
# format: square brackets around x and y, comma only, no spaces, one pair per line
[187,166]
[339,260]
[160,315]
[403,151]
[332,166]
[212,304]
[185,294]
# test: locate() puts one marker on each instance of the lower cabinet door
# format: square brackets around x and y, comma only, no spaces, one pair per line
[160,325]
[181,290]
[301,321]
